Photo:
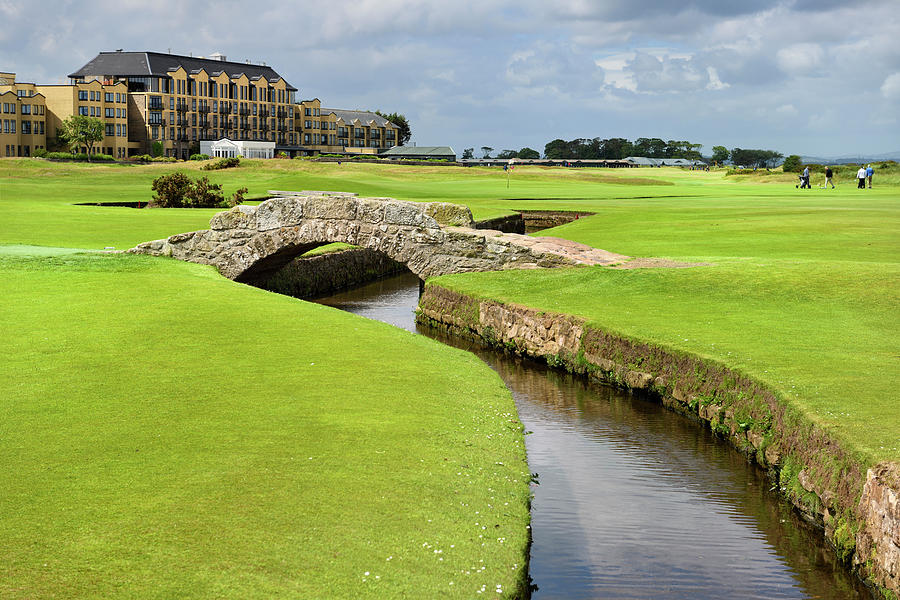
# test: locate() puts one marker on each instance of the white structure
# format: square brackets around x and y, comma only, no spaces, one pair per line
[226,148]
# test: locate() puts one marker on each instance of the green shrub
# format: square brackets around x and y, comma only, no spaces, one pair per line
[177,190]
[204,194]
[40,153]
[156,149]
[238,197]
[60,155]
[222,163]
[199,156]
[171,190]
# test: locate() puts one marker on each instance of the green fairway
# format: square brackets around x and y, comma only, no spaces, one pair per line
[165,432]
[154,413]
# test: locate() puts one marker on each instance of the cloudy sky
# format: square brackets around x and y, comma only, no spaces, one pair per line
[814,78]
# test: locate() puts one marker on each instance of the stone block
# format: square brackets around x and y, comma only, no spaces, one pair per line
[637,380]
[239,217]
[331,208]
[369,210]
[403,213]
[446,213]
[279,212]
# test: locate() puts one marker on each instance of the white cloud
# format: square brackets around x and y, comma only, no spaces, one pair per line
[787,109]
[714,82]
[801,59]
[890,89]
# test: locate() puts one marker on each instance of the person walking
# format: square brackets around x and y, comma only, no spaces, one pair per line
[805,178]
[861,178]
[828,177]
[869,172]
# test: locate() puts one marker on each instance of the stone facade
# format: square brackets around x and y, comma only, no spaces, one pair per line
[249,243]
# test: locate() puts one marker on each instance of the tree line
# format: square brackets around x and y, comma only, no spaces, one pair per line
[618,148]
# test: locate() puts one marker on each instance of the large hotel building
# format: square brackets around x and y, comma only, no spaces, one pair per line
[152,102]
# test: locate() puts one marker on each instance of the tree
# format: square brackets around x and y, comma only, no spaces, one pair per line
[556,149]
[529,153]
[754,158]
[156,149]
[486,151]
[507,154]
[79,130]
[402,124]
[792,164]
[615,148]
[468,153]
[719,154]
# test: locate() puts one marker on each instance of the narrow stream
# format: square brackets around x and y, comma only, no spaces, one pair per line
[635,501]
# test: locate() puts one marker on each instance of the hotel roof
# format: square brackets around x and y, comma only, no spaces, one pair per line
[147,64]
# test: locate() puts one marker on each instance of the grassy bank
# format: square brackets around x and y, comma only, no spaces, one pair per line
[800,292]
[165,432]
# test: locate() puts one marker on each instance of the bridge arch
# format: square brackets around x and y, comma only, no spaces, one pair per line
[248,243]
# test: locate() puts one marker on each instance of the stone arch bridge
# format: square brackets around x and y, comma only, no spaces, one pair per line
[249,243]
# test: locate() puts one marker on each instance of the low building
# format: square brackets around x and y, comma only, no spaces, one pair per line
[643,161]
[609,163]
[225,148]
[421,153]
[22,117]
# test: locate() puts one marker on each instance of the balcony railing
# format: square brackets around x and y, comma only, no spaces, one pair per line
[204,124]
[182,138]
[181,106]
[203,108]
[156,106]
[244,111]
[264,113]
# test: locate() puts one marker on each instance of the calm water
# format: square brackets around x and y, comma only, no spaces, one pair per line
[635,501]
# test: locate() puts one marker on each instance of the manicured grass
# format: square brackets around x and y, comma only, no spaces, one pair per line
[823,335]
[801,292]
[165,432]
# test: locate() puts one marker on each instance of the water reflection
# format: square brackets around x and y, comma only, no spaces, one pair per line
[635,501]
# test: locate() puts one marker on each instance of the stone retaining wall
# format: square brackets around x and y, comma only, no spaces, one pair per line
[858,509]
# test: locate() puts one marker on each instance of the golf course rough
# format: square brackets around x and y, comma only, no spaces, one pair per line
[858,509]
